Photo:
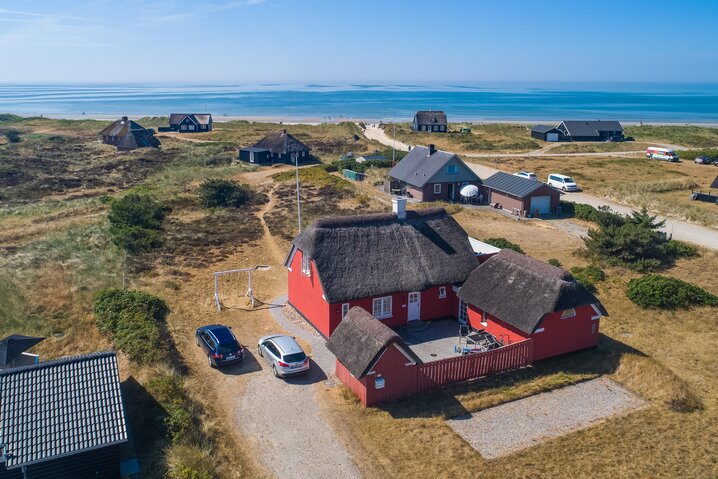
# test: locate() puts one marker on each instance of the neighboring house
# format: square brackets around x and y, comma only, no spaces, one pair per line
[399,266]
[521,196]
[483,251]
[374,157]
[190,122]
[127,135]
[429,120]
[62,419]
[590,130]
[546,133]
[429,174]
[276,147]
[371,356]
[715,183]
[515,297]
[13,351]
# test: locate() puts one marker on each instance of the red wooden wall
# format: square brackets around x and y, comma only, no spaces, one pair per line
[306,295]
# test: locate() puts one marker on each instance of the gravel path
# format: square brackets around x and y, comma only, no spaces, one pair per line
[501,430]
[283,415]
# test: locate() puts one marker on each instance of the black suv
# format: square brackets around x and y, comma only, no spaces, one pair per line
[219,344]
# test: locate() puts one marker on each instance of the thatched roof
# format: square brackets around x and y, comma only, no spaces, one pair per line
[371,255]
[281,142]
[128,135]
[360,339]
[430,117]
[520,290]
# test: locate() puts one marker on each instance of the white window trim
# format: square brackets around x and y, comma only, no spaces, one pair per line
[598,312]
[385,312]
[484,320]
[306,265]
[442,292]
[539,330]
[345,306]
[437,188]
[568,313]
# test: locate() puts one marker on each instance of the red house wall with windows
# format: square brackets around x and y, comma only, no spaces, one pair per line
[553,336]
[307,296]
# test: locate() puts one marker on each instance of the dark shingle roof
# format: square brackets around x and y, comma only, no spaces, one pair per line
[543,128]
[281,142]
[370,255]
[430,117]
[360,339]
[198,118]
[59,408]
[14,345]
[715,183]
[418,167]
[520,290]
[511,184]
[591,128]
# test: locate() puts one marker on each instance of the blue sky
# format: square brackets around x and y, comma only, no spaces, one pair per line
[343,41]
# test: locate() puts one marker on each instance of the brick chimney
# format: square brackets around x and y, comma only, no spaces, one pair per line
[432,149]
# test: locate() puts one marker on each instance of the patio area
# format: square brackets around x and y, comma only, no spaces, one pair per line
[432,340]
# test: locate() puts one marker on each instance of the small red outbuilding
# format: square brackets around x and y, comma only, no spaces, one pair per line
[515,297]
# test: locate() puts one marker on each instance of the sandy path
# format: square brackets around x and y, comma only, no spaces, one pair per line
[373,132]
[284,415]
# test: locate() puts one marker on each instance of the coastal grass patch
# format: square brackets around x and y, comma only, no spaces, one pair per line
[599,147]
[503,137]
[690,136]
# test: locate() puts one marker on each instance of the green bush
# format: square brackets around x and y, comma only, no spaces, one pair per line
[136,223]
[588,276]
[330,168]
[185,461]
[503,243]
[166,388]
[131,319]
[555,262]
[679,249]
[12,136]
[216,193]
[179,422]
[661,292]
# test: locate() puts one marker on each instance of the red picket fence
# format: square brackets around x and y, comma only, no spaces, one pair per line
[462,368]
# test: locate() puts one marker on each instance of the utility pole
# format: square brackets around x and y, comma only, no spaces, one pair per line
[393,145]
[295,156]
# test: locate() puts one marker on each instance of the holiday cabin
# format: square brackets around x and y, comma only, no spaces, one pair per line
[400,266]
[515,297]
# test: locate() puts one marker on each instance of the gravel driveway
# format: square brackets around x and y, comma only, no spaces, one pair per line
[507,428]
[284,417]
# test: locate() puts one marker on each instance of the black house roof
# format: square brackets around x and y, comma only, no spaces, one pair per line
[521,290]
[197,118]
[370,255]
[14,345]
[360,339]
[543,129]
[591,128]
[282,143]
[512,184]
[421,164]
[430,117]
[715,183]
[131,134]
[59,408]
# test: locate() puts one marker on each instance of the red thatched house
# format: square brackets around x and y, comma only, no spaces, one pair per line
[399,266]
[515,297]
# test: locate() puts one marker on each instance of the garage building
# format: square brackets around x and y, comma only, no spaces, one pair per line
[546,133]
[522,196]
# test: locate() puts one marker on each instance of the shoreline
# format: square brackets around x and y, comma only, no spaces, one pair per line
[289,120]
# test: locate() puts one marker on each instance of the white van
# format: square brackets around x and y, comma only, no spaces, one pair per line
[562,182]
[661,154]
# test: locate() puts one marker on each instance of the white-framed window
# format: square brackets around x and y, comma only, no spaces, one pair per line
[306,265]
[568,313]
[437,188]
[442,292]
[484,319]
[381,307]
[345,310]
[183,127]
[191,128]
[463,313]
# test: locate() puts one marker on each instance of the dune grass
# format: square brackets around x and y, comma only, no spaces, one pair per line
[684,135]
[499,137]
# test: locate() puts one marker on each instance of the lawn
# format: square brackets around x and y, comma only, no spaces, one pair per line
[489,137]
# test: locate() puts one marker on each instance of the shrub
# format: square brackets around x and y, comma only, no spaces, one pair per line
[679,249]
[661,292]
[131,319]
[554,262]
[216,193]
[185,461]
[136,223]
[12,136]
[178,421]
[330,168]
[166,388]
[588,276]
[503,243]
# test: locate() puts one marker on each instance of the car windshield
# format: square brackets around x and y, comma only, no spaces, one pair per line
[227,348]
[295,358]
[568,180]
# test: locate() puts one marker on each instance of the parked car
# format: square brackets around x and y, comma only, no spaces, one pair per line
[562,182]
[220,345]
[705,160]
[527,174]
[283,355]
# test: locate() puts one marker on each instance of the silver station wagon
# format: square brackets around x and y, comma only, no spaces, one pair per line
[283,355]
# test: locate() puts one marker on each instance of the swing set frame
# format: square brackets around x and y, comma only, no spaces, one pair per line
[249,293]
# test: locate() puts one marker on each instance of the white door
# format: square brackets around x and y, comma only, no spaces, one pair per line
[552,137]
[414,306]
[463,313]
[542,204]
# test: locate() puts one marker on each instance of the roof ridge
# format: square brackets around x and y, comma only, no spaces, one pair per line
[59,361]
[359,220]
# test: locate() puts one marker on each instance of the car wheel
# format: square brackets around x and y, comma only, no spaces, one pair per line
[274,370]
[209,361]
[563,188]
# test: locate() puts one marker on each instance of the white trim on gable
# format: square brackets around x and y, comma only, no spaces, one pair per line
[598,312]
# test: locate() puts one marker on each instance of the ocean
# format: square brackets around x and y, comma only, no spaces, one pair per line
[630,102]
